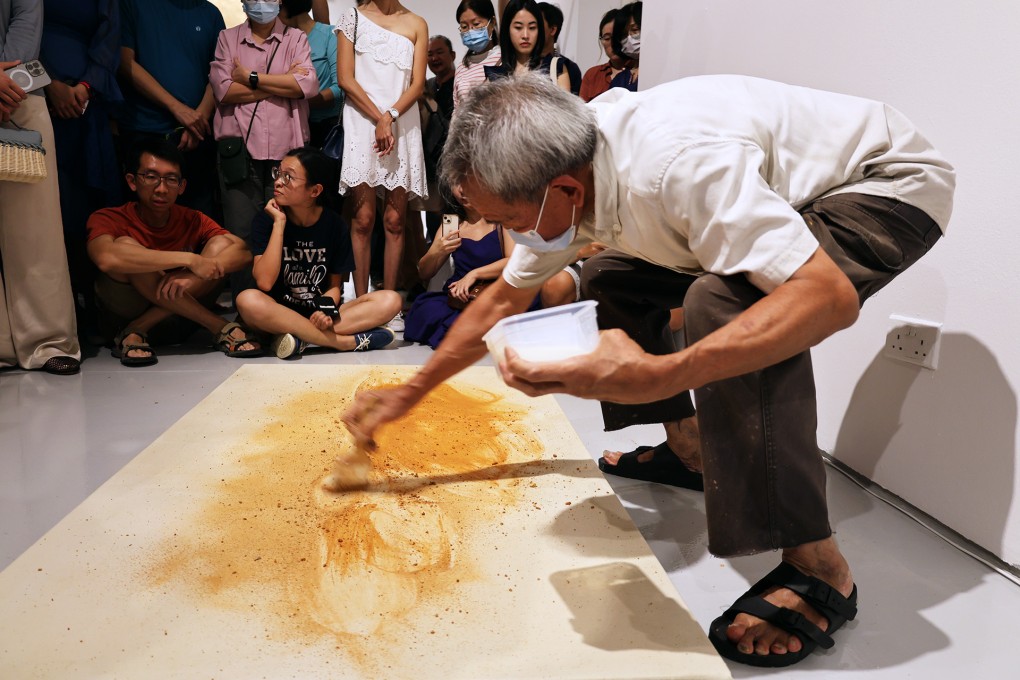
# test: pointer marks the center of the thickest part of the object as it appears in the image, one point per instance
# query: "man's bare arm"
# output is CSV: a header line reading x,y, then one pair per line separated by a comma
x,y
817,301
234,255
121,257
196,121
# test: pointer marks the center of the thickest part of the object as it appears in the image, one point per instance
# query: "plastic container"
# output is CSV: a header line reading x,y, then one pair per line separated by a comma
x,y
547,334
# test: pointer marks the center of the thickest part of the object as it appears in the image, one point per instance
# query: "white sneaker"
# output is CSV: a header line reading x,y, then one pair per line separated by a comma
x,y
396,324
285,346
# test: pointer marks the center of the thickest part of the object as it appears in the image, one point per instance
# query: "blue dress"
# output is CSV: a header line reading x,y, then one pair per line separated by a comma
x,y
430,317
81,42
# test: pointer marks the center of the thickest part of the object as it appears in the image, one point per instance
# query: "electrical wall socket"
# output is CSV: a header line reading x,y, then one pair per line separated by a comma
x,y
914,341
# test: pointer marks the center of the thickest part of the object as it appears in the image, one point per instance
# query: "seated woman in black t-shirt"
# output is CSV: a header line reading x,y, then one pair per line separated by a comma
x,y
301,251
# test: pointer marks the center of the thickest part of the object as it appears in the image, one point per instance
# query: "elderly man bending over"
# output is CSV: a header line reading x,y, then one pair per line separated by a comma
x,y
770,213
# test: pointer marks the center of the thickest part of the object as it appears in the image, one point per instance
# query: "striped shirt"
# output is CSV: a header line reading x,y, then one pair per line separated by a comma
x,y
467,77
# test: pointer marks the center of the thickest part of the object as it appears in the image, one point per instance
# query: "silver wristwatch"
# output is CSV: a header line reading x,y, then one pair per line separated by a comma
x,y
394,114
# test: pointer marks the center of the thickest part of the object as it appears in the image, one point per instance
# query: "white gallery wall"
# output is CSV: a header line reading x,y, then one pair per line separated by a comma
x,y
945,440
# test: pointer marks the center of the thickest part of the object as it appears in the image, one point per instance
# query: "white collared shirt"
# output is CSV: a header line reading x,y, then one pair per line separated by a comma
x,y
706,174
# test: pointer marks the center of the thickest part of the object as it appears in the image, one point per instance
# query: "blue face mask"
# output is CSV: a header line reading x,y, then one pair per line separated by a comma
x,y
476,39
533,240
262,12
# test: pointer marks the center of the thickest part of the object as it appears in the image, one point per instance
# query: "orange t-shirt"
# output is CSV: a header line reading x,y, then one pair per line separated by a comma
x,y
187,230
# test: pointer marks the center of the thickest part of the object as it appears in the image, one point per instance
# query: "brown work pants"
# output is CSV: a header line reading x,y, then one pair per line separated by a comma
x,y
764,476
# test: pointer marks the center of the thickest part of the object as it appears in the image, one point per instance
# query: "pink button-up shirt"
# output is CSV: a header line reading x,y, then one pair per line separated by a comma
x,y
281,124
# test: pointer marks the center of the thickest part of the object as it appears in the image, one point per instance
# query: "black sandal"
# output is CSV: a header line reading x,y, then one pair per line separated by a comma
x,y
825,599
664,468
120,350
230,345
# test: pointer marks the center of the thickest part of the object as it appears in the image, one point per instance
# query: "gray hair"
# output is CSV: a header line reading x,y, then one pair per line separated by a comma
x,y
515,135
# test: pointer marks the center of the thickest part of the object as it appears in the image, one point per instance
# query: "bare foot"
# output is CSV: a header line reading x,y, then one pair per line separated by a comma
x,y
820,559
682,437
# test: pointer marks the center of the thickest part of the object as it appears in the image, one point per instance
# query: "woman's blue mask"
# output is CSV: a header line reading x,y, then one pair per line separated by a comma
x,y
262,12
476,39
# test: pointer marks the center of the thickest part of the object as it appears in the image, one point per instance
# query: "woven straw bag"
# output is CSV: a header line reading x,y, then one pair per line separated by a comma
x,y
22,156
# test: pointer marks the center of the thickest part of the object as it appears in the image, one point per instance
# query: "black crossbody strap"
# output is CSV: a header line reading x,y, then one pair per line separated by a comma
x,y
255,110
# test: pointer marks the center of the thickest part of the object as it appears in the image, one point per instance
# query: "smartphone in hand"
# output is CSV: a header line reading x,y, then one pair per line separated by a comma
x,y
451,223
327,306
29,76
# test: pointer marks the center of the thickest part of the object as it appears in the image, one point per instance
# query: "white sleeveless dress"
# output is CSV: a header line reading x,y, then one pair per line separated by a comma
x,y
382,66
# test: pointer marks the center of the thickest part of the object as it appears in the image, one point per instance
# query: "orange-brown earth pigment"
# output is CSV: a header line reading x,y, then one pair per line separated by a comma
x,y
358,567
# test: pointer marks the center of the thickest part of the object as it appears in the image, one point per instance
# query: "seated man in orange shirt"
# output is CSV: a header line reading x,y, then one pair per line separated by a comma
x,y
159,259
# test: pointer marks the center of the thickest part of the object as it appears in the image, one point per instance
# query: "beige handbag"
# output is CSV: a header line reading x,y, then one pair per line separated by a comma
x,y
22,156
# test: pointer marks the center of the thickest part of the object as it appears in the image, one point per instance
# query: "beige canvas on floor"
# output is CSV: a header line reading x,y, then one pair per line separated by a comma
x,y
488,545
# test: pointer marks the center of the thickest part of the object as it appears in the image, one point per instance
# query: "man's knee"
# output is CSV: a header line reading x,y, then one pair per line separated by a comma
x,y
712,301
602,275
120,299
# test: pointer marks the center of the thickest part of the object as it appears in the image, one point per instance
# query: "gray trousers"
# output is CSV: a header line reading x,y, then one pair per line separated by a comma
x,y
764,476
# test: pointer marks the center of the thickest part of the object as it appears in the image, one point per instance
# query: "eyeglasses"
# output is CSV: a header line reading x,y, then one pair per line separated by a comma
x,y
284,177
151,179
474,25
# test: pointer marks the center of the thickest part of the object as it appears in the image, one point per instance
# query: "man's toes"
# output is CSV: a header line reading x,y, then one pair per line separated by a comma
x,y
613,457
745,643
761,639
765,640
740,635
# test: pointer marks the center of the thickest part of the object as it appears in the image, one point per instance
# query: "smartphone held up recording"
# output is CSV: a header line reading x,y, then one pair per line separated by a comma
x,y
451,223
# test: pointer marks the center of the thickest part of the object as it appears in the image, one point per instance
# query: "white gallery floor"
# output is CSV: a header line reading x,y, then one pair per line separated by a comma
x,y
926,610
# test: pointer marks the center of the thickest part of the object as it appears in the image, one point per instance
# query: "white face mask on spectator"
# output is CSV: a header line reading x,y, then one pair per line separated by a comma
x,y
631,46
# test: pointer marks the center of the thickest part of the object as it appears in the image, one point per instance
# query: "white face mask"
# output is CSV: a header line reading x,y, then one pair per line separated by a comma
x,y
532,239
631,45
